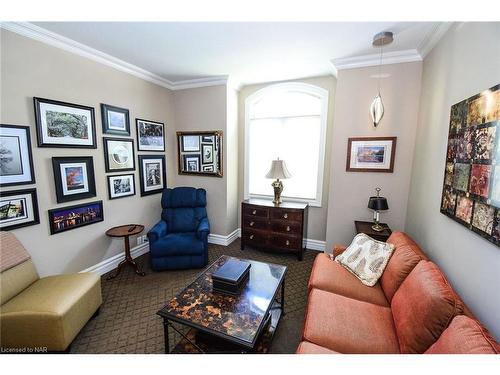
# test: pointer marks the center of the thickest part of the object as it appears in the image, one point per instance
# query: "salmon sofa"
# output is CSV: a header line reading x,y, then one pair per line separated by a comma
x,y
411,309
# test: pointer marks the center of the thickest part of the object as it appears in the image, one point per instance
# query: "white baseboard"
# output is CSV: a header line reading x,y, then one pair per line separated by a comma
x,y
218,239
317,245
111,263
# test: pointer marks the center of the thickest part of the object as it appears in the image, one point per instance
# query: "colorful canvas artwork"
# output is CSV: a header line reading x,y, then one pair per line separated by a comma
x,y
471,186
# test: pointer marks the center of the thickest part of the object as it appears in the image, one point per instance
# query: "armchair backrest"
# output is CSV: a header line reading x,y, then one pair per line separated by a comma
x,y
183,208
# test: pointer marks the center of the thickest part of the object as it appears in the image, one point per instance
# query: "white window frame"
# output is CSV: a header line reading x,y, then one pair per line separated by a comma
x,y
305,88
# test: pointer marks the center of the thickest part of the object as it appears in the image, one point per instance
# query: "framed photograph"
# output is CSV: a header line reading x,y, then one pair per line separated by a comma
x,y
115,120
150,135
371,154
74,178
16,159
152,173
200,153
121,186
18,208
119,154
72,217
61,124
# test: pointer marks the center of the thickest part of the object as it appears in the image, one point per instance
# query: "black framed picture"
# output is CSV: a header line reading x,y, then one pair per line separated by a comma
x,y
16,159
191,163
190,142
61,124
152,173
207,153
121,186
74,178
18,208
115,120
71,217
119,154
150,135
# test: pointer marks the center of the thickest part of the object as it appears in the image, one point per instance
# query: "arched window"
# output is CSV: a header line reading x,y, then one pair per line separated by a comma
x,y
286,121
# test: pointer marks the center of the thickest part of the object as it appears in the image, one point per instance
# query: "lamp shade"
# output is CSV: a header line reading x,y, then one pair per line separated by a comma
x,y
378,204
278,170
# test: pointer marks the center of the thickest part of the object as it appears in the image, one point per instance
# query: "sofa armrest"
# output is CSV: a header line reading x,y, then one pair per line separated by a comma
x,y
338,249
158,231
203,228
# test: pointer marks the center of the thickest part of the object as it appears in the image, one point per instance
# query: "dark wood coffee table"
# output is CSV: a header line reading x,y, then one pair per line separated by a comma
x,y
223,323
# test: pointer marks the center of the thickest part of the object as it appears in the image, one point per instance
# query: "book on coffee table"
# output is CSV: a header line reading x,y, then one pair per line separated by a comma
x,y
231,276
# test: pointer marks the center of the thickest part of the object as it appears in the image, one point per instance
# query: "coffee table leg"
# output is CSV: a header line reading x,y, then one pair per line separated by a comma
x,y
165,332
283,297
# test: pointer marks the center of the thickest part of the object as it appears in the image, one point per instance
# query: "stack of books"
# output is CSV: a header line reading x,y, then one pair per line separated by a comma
x,y
231,277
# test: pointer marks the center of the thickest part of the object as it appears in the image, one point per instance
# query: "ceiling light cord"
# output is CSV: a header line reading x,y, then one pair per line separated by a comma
x,y
380,70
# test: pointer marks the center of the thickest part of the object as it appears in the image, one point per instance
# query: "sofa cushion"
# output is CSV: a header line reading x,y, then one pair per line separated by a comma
x,y
16,279
306,347
177,244
328,275
464,336
366,258
346,325
405,257
422,307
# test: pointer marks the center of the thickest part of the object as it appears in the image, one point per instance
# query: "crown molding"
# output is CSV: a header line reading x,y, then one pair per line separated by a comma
x,y
433,37
56,40
395,57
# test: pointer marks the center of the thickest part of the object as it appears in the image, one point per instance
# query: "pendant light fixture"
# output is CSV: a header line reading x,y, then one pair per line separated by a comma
x,y
377,107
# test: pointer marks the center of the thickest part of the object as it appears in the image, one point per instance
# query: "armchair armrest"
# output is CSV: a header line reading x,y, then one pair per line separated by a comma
x,y
203,228
159,230
338,249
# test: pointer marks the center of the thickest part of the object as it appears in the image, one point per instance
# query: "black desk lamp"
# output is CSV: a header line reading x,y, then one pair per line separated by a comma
x,y
377,204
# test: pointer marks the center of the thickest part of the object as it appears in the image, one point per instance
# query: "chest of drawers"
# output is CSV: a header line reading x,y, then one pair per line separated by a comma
x,y
280,228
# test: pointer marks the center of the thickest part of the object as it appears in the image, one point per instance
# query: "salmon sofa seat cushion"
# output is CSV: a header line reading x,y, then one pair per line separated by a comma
x,y
306,347
423,307
330,276
346,325
464,336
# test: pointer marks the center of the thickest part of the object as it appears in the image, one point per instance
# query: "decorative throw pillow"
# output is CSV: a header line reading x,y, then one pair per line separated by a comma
x,y
366,258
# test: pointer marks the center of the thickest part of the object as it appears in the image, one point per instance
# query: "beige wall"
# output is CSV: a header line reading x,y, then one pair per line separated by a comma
x,y
350,191
465,62
30,68
316,228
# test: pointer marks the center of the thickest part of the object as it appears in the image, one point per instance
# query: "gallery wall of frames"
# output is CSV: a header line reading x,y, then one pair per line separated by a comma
x,y
68,125
471,187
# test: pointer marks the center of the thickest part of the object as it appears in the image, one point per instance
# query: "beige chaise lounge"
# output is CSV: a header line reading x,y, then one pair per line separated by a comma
x,y
41,313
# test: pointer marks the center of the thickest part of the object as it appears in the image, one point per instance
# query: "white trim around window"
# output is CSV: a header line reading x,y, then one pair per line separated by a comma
x,y
305,88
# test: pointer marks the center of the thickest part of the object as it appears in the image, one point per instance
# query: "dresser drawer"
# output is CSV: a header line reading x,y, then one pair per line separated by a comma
x,y
254,237
255,223
286,227
286,215
285,242
255,211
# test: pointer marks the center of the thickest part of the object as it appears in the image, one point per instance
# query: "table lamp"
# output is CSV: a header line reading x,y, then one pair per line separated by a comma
x,y
278,170
377,204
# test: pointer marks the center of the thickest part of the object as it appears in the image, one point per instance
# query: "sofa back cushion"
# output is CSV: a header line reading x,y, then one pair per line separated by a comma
x,y
183,208
405,257
464,336
423,307
16,279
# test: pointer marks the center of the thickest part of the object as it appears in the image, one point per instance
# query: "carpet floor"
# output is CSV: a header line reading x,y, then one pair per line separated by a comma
x,y
128,322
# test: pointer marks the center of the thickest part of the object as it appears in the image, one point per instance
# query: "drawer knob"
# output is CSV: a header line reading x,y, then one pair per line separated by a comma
x,y
252,223
254,212
251,236
287,242
285,216
288,228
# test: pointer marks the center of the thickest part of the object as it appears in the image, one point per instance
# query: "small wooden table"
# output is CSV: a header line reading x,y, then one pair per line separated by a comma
x,y
126,231
366,228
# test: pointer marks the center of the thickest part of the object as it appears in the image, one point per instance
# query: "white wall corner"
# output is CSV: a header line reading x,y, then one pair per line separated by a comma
x,y
434,36
395,57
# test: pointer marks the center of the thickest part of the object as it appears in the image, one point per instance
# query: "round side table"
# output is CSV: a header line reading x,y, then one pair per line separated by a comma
x,y
126,231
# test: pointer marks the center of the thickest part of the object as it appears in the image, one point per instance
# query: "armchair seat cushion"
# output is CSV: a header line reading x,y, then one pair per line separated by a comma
x,y
186,243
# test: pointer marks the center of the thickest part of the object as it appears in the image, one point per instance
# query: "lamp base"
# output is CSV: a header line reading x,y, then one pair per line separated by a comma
x,y
377,227
278,188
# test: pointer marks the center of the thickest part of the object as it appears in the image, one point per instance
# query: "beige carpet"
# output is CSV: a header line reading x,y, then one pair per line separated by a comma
x,y
128,322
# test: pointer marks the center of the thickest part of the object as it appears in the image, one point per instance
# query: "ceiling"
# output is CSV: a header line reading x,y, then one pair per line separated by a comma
x,y
247,52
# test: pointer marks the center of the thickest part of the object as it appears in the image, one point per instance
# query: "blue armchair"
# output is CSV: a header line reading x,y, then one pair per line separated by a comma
x,y
180,239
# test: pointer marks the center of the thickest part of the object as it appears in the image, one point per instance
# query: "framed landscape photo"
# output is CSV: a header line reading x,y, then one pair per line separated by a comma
x,y
115,120
16,159
152,173
61,124
200,153
71,217
371,154
121,186
150,135
74,178
119,154
18,208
